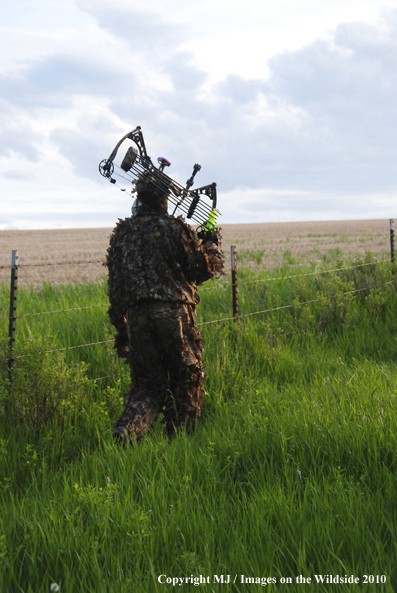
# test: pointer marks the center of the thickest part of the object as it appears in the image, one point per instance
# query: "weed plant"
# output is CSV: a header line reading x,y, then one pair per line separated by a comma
x,y
292,470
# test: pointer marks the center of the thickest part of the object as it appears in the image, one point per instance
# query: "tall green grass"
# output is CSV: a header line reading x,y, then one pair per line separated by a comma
x,y
292,470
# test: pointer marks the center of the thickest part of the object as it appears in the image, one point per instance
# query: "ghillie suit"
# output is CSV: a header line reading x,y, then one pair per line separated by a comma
x,y
155,262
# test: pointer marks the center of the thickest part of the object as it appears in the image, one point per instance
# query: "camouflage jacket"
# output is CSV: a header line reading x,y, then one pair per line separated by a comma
x,y
157,257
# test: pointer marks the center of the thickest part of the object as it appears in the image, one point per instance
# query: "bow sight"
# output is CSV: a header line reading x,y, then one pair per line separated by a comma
x,y
137,166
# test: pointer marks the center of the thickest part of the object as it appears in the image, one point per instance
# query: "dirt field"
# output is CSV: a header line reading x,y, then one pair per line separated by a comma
x,y
46,255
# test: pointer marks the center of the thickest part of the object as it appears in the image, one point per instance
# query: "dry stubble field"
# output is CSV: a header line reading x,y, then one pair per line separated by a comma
x,y
45,255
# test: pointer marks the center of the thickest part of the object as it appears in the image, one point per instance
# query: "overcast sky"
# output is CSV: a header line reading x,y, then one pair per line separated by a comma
x,y
290,106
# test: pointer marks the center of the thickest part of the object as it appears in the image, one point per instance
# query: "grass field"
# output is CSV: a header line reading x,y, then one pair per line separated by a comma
x,y
291,473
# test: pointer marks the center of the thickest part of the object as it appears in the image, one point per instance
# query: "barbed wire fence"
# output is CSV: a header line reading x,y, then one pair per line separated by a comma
x,y
233,286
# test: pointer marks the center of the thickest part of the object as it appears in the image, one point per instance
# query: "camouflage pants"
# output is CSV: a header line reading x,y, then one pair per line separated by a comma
x,y
166,368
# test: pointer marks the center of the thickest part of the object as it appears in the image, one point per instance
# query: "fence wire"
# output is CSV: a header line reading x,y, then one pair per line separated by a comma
x,y
212,288
221,320
354,266
62,349
61,310
102,378
55,311
57,263
290,306
381,261
265,248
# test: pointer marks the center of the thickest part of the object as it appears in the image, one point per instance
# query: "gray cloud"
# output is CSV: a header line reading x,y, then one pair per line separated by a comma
x,y
240,90
350,102
323,121
185,78
17,136
20,141
54,80
145,32
330,124
18,175
85,146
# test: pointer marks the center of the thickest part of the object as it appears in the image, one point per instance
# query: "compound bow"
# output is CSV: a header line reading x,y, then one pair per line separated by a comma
x,y
138,165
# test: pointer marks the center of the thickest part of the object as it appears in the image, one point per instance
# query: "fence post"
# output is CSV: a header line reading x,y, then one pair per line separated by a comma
x,y
392,241
234,281
13,309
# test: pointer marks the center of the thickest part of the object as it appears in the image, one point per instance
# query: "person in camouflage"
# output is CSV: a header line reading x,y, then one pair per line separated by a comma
x,y
155,262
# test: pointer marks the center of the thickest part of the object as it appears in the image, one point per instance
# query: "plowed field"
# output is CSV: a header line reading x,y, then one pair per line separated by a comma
x,y
76,254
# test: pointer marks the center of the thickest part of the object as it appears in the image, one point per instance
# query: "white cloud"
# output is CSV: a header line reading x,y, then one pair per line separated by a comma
x,y
312,124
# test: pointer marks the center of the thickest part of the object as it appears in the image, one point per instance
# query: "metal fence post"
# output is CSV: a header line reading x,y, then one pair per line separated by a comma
x,y
234,281
392,241
13,309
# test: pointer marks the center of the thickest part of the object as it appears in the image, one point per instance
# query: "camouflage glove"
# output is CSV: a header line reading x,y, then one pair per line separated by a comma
x,y
208,237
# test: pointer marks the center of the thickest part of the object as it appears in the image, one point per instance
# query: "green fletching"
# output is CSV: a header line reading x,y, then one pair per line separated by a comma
x,y
210,225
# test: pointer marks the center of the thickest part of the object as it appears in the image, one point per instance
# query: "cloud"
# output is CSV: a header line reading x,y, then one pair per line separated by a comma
x,y
20,141
86,144
240,90
186,79
17,135
17,175
57,220
349,100
321,122
54,80
143,29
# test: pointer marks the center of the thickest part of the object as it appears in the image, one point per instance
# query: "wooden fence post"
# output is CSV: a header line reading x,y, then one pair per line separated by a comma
x,y
13,309
392,241
234,281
